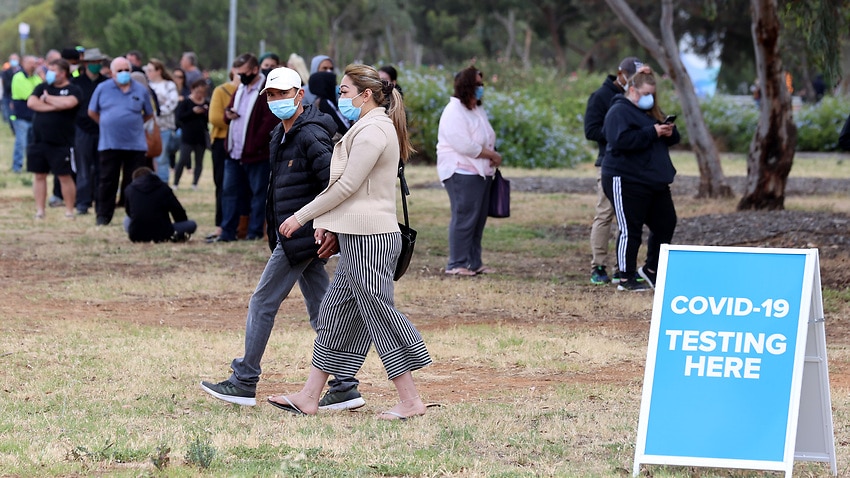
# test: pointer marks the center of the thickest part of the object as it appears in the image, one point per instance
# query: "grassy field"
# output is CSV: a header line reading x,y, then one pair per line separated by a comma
x,y
103,343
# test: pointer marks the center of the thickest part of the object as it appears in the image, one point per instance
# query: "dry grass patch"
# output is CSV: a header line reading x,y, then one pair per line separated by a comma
x,y
103,343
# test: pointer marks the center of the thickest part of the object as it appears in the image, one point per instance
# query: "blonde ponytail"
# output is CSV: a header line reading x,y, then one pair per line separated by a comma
x,y
366,77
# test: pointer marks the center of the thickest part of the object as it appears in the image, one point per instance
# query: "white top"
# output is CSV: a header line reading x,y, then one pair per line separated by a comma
x,y
461,136
166,95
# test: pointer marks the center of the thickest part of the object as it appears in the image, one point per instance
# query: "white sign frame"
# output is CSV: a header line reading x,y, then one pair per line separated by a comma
x,y
812,440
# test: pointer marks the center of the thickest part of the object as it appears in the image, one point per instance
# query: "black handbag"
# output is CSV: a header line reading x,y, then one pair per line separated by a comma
x,y
500,196
408,235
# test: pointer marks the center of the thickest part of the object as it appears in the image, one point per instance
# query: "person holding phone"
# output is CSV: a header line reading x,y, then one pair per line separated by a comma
x,y
193,117
636,176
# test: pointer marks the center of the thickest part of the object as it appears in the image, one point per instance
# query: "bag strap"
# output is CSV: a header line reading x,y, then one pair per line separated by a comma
x,y
405,191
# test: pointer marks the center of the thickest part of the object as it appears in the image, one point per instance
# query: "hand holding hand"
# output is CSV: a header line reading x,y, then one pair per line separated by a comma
x,y
328,244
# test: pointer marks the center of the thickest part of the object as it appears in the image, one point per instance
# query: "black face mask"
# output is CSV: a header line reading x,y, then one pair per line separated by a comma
x,y
267,71
247,78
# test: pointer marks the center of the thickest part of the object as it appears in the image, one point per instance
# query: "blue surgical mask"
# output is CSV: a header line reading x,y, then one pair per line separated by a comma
x,y
14,63
348,110
646,102
479,92
50,77
283,109
123,77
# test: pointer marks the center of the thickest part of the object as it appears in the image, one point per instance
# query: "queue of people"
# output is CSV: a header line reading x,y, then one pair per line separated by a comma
x,y
310,166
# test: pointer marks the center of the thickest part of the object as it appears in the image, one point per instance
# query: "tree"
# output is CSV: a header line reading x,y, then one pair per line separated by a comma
x,y
771,153
772,149
666,52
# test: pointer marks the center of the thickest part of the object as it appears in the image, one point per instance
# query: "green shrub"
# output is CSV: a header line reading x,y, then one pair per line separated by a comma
x,y
200,453
538,114
531,131
819,125
731,123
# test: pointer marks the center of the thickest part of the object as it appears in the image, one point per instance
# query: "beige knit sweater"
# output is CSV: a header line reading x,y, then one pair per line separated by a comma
x,y
361,194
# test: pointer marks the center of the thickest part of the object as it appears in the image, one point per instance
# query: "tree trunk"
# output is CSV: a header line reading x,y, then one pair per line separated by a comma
x,y
526,48
552,25
772,149
390,43
666,52
509,23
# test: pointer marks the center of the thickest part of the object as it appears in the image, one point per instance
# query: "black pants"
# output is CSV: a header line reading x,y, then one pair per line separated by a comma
x,y
114,163
185,161
219,155
636,204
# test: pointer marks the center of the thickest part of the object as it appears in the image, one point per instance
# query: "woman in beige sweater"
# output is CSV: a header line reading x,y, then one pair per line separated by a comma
x,y
359,206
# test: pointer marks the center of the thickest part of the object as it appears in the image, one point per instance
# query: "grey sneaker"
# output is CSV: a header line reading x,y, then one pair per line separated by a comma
x,y
347,400
229,393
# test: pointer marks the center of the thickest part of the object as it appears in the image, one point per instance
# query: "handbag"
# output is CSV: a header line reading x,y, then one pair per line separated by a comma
x,y
408,235
500,196
153,138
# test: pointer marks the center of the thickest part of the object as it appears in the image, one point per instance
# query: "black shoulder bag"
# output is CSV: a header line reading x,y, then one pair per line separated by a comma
x,y
408,235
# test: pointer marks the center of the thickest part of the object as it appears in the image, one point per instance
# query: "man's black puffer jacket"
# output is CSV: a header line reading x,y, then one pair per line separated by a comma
x,y
300,168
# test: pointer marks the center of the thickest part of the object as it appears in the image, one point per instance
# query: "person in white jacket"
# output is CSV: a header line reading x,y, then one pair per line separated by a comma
x,y
466,162
162,84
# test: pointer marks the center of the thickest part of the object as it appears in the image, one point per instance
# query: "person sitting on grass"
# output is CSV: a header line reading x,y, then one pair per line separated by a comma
x,y
148,202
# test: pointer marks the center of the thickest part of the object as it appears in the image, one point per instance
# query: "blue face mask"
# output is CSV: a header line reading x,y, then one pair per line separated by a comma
x,y
646,102
123,78
348,110
283,109
479,92
14,63
50,77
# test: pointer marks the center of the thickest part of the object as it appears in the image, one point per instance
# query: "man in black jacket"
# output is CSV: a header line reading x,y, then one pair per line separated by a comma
x,y
594,117
148,202
300,152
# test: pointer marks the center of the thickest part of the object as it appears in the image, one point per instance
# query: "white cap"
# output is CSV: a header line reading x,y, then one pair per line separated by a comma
x,y
282,79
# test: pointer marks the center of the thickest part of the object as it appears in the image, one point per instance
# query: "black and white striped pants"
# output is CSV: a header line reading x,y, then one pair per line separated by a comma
x,y
358,310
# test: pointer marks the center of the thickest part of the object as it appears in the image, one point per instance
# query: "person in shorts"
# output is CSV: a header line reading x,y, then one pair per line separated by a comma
x,y
55,103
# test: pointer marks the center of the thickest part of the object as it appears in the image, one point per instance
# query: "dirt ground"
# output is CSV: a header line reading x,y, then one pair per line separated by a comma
x,y
829,232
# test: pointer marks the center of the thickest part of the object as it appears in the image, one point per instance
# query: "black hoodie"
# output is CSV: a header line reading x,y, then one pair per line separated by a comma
x,y
300,169
635,152
148,202
323,85
594,115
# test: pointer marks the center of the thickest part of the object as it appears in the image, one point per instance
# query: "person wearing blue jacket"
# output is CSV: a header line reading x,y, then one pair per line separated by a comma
x,y
636,177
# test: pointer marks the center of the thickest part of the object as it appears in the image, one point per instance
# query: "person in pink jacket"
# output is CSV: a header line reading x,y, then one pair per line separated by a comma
x,y
466,162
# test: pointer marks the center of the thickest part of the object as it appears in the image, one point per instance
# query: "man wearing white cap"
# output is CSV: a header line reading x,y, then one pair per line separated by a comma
x,y
300,152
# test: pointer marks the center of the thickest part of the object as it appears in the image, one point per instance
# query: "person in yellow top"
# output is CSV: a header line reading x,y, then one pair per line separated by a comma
x,y
23,84
220,99
359,206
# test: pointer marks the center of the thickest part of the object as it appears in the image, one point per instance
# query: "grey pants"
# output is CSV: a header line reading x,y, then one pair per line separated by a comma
x,y
277,281
469,196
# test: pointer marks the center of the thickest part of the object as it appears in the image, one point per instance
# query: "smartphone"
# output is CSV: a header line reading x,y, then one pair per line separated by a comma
x,y
670,119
